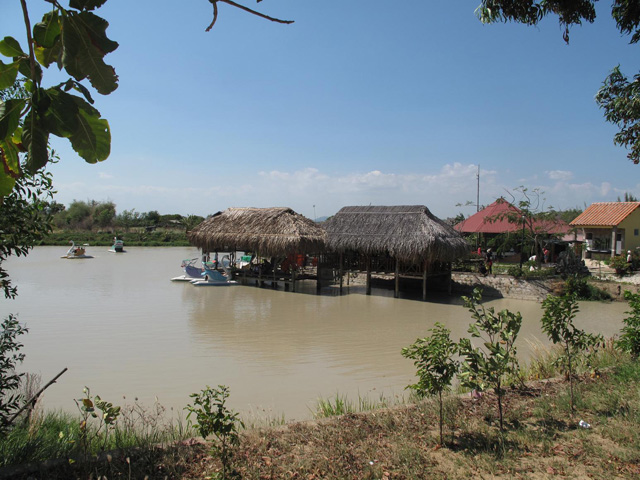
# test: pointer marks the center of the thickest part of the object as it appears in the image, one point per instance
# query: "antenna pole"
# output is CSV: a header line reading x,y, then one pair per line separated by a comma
x,y
478,190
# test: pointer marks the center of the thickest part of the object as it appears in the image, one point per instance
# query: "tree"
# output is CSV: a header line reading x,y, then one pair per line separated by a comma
x,y
557,323
628,197
619,97
489,366
436,367
74,40
532,215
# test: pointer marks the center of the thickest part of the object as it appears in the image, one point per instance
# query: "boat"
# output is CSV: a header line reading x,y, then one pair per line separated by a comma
x,y
191,272
117,247
214,278
77,251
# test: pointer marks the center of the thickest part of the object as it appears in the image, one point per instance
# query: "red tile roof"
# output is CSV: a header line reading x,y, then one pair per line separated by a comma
x,y
487,220
493,219
606,214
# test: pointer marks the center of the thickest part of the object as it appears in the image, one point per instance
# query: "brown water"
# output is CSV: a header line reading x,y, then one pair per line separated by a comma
x,y
123,329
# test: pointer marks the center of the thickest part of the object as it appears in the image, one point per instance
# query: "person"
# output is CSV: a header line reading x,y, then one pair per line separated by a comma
x,y
628,256
546,255
489,261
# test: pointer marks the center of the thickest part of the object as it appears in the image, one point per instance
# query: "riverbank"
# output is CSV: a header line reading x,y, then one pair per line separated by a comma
x,y
543,439
161,237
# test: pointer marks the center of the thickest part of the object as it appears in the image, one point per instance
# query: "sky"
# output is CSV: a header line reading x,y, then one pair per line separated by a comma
x,y
356,103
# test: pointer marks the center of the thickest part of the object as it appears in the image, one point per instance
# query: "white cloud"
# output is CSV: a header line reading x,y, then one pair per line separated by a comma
x,y
561,175
105,176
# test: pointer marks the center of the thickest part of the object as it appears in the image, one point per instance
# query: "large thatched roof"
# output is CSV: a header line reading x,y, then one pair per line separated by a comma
x,y
267,231
409,233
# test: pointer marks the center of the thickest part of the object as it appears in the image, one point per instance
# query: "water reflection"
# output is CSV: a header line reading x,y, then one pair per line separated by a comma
x,y
123,329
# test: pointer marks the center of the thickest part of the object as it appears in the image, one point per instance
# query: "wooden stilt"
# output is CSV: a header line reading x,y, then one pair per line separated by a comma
x,y
425,273
340,273
293,280
368,288
449,278
396,293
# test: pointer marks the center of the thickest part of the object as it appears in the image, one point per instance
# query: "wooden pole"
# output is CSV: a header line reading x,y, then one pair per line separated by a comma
x,y
368,289
425,273
396,293
340,273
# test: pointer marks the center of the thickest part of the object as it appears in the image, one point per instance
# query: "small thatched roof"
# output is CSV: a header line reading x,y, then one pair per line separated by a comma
x,y
267,231
409,233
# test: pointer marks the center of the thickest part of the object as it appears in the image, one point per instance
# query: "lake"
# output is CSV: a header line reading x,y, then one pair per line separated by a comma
x,y
124,330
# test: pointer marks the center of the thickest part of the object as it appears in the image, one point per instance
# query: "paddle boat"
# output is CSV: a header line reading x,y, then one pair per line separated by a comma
x,y
191,272
77,251
117,247
214,278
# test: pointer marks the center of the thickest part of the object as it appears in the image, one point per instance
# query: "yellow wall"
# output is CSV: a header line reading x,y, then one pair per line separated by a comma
x,y
631,223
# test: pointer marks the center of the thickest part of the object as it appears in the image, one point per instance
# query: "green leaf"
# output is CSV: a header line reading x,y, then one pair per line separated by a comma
x,y
46,35
10,117
8,74
24,67
9,47
62,115
10,169
47,32
86,4
92,137
84,46
35,139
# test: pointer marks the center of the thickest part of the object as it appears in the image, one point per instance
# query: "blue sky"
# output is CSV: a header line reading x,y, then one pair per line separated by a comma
x,y
356,103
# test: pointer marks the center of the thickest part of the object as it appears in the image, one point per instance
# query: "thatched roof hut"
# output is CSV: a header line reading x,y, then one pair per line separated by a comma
x,y
408,233
276,231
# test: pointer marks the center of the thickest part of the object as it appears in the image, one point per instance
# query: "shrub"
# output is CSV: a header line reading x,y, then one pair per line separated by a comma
x,y
436,368
630,339
488,367
557,323
10,347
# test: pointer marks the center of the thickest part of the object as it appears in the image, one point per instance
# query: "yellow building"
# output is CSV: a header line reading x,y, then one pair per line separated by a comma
x,y
610,228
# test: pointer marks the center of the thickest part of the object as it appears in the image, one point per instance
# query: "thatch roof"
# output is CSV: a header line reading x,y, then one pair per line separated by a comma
x,y
267,231
409,233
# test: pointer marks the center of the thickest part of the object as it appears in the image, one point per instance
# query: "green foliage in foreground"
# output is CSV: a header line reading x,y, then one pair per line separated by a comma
x,y
630,338
433,358
10,357
488,367
557,323
214,418
55,434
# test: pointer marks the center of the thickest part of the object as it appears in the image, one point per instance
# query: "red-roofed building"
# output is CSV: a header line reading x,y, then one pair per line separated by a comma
x,y
494,220
610,224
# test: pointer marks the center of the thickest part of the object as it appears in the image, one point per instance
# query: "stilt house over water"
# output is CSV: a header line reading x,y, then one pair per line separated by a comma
x,y
275,233
408,241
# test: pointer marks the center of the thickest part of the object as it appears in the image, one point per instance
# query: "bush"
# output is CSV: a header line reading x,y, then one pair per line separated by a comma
x,y
620,265
10,399
630,339
583,290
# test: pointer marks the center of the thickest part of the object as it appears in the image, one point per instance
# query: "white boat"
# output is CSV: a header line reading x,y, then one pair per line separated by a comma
x,y
191,272
213,278
117,247
77,251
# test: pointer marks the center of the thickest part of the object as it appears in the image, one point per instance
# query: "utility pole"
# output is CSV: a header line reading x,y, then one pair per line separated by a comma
x,y
478,190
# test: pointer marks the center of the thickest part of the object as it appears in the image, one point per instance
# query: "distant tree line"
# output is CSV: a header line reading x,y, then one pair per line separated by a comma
x,y
92,215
